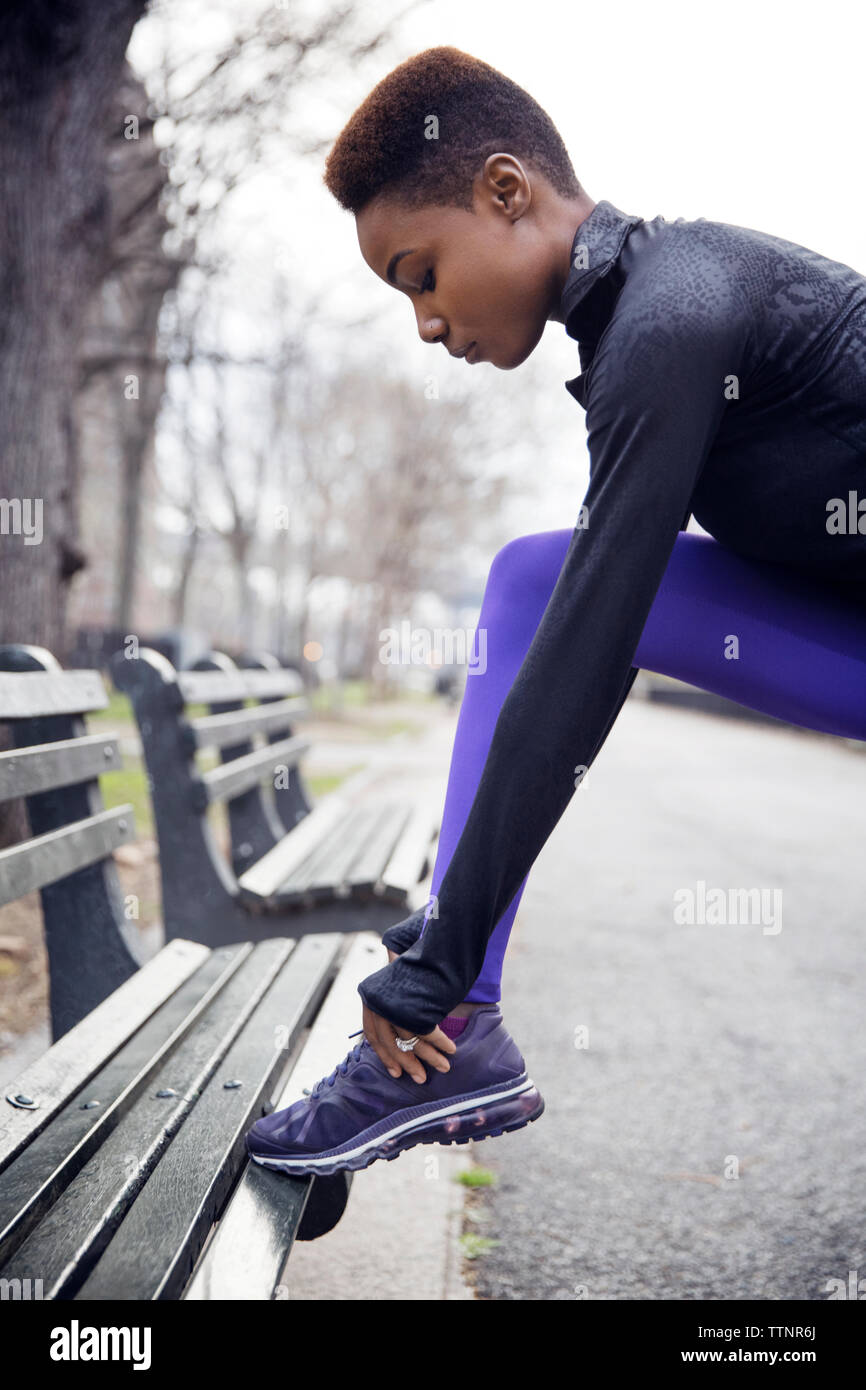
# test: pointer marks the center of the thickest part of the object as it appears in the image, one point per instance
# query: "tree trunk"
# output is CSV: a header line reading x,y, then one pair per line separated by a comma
x,y
136,428
187,565
59,68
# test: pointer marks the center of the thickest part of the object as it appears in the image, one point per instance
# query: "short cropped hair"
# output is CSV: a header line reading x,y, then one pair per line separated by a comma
x,y
392,143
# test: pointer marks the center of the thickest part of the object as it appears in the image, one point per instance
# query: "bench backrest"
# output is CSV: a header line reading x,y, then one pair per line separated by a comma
x,y
252,711
54,764
260,778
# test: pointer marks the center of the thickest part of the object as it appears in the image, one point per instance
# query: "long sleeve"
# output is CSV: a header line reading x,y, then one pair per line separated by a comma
x,y
404,934
655,396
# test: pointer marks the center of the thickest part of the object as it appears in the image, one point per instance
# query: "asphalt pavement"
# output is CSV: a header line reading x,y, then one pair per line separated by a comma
x,y
703,1136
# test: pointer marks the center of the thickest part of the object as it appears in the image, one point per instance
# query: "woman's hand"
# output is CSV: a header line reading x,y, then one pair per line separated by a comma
x,y
430,1047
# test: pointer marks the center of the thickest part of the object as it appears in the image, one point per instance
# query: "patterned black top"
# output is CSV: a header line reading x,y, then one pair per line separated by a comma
x,y
723,374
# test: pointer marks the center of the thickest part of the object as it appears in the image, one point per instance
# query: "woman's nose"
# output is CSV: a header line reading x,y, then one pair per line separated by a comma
x,y
431,329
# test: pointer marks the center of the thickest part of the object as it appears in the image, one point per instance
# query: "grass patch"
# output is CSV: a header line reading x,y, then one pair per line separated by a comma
x,y
391,727
347,695
325,699
477,1177
473,1246
329,781
336,698
119,711
129,784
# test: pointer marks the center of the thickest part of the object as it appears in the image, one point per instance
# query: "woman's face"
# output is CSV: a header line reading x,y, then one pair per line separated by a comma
x,y
483,280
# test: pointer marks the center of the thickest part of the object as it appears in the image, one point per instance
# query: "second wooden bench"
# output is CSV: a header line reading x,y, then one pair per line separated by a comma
x,y
347,863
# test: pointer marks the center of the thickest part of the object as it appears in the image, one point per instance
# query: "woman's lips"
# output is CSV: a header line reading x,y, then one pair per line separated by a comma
x,y
472,352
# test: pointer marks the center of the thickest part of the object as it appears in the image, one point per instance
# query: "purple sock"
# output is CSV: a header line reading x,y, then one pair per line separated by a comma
x,y
452,1026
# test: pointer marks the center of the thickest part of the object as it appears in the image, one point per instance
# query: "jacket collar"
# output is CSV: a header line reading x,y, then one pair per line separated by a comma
x,y
596,246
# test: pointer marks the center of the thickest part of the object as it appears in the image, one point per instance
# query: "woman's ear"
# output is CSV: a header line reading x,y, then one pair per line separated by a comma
x,y
506,184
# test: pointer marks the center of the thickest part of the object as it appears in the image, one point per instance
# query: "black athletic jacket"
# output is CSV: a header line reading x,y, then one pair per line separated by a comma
x,y
723,374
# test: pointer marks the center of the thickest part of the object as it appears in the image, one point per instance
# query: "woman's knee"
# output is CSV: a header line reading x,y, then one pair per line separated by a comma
x,y
527,560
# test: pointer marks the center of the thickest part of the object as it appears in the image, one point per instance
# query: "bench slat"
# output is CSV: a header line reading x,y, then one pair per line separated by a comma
x,y
74,1232
327,866
158,1243
55,1076
248,1253
32,694
230,779
32,1182
221,687
24,771
404,868
222,730
265,877
367,868
47,858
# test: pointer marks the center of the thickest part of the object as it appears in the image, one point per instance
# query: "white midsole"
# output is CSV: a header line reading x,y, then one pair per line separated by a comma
x,y
419,1121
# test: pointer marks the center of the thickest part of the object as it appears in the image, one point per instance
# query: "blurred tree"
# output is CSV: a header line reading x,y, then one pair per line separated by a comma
x,y
60,65
122,374
388,486
234,98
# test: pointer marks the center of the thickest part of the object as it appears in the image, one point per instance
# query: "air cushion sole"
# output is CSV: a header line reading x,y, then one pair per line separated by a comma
x,y
480,1121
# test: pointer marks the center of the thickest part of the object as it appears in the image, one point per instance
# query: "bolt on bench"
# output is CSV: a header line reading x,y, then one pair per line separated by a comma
x,y
123,1168
348,863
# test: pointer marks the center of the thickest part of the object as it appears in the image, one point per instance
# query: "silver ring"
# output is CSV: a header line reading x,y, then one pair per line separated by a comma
x,y
405,1044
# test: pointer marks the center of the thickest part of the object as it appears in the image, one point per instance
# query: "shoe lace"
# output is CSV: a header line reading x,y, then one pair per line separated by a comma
x,y
340,1069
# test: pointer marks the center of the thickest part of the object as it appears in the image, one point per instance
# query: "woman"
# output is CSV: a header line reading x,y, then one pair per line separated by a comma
x,y
723,376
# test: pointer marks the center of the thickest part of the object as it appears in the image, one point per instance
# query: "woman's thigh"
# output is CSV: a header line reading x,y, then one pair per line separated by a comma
x,y
771,639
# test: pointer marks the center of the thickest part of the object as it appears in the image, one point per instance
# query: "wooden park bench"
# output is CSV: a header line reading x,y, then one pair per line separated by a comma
x,y
123,1167
347,863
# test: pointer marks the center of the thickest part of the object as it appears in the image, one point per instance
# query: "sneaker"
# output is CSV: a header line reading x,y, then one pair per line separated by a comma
x,y
360,1112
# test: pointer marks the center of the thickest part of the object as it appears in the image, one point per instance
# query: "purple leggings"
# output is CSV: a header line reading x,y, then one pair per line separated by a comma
x,y
802,658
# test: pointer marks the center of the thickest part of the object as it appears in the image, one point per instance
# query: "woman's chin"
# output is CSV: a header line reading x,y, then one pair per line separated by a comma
x,y
507,358
507,361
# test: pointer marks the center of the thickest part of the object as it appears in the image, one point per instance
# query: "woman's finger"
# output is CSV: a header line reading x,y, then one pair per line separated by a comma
x,y
432,1057
441,1040
430,1047
380,1034
410,1061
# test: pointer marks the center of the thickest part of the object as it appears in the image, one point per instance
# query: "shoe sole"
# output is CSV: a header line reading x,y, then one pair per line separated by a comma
x,y
480,1119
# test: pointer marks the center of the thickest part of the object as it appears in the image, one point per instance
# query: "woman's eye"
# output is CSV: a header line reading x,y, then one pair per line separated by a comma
x,y
428,282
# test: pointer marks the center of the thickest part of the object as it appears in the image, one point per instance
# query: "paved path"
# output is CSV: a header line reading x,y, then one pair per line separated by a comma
x,y
712,1049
